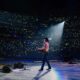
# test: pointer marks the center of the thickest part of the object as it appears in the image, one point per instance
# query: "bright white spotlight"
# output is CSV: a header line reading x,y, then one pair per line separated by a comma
x,y
50,38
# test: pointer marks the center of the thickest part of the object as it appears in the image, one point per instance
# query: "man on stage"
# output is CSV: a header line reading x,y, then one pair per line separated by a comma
x,y
45,50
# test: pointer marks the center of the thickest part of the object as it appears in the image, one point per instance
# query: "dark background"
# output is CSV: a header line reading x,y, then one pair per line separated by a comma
x,y
42,7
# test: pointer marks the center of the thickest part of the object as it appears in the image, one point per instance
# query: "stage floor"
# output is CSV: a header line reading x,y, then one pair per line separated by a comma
x,y
59,71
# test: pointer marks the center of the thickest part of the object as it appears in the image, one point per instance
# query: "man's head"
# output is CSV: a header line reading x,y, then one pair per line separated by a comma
x,y
46,39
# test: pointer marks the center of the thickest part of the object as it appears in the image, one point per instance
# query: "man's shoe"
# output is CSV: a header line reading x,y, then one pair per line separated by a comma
x,y
41,70
49,69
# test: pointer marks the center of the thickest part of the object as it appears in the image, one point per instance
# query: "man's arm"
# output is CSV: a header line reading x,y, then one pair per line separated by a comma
x,y
41,48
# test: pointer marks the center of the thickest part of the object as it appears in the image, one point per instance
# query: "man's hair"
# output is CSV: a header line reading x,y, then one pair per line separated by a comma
x,y
46,39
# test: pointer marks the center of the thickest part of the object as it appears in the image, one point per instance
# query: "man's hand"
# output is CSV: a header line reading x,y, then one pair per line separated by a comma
x,y
38,48
41,49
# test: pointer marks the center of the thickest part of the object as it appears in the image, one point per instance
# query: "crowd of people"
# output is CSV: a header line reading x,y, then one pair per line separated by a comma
x,y
20,34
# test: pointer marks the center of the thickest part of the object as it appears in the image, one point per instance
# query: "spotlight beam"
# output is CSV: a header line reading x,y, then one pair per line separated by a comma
x,y
55,33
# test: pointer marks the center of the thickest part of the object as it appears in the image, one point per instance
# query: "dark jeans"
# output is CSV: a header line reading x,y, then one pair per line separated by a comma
x,y
45,60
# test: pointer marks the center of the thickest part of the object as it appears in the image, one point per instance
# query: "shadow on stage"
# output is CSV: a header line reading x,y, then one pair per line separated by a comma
x,y
40,74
